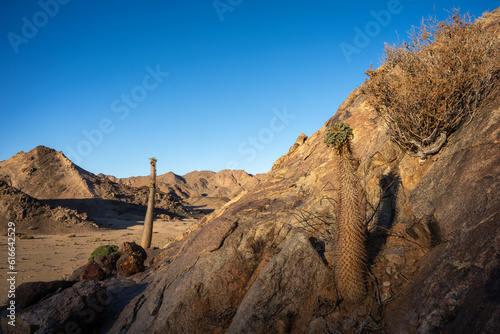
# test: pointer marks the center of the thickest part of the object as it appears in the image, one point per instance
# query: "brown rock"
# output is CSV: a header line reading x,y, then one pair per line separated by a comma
x,y
297,273
76,309
455,291
301,139
31,292
33,216
92,272
132,248
107,263
318,326
394,258
76,275
129,264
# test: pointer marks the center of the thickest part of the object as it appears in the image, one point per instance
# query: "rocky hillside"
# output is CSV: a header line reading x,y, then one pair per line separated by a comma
x,y
251,267
204,190
47,175
263,262
32,215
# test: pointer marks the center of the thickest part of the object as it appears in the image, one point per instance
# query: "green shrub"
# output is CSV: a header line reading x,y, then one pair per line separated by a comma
x,y
427,87
338,135
103,251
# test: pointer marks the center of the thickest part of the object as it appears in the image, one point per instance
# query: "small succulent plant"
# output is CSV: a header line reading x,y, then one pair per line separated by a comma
x,y
338,135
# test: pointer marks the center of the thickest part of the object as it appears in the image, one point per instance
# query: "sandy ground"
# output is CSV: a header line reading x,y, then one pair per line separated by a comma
x,y
53,257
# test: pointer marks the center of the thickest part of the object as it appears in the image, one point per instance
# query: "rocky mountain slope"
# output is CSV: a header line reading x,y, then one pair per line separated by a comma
x,y
47,175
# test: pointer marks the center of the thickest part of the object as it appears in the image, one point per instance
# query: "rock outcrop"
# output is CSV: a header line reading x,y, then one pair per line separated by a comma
x,y
431,243
76,309
285,291
33,216
31,292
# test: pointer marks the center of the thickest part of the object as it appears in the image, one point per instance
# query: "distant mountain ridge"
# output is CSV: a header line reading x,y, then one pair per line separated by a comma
x,y
192,187
49,176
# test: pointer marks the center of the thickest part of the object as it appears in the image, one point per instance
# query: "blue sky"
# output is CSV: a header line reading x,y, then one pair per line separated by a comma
x,y
200,85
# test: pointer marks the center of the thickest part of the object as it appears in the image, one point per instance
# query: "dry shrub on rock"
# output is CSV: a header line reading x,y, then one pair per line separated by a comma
x,y
429,86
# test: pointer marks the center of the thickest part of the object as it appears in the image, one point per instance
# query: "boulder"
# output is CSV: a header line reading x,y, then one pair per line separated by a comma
x,y
76,275
132,248
31,292
285,292
92,272
97,269
129,264
76,309
107,263
196,296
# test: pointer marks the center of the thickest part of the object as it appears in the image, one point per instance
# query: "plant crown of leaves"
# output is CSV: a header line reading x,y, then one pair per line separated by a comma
x,y
339,134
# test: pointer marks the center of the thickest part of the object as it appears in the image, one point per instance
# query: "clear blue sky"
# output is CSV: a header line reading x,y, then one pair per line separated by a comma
x,y
245,78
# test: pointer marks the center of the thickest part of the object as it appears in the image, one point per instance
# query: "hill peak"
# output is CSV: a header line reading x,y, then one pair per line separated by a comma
x,y
45,173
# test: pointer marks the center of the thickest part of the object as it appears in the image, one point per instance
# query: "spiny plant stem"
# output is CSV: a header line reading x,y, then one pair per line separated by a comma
x,y
350,252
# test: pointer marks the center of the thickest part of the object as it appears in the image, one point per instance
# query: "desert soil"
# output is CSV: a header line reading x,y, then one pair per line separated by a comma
x,y
55,256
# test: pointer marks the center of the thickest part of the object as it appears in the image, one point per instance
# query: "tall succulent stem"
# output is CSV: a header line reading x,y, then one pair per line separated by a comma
x,y
350,251
147,233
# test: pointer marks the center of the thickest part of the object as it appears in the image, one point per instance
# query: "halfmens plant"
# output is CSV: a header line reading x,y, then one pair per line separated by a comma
x,y
147,233
349,248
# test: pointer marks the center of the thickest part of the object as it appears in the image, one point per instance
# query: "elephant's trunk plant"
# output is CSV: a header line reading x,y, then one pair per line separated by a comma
x,y
350,251
147,232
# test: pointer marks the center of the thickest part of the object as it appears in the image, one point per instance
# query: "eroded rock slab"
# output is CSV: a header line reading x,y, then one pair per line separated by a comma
x,y
75,309
286,288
